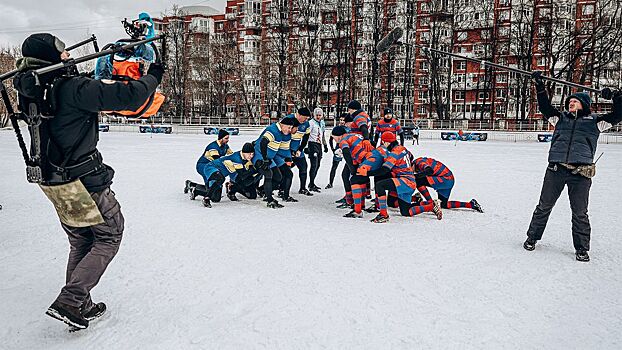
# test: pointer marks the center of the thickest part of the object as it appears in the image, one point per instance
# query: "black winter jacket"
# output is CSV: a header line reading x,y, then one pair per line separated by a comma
x,y
78,101
575,137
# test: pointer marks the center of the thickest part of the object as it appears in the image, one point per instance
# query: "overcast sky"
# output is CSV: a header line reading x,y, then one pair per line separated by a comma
x,y
74,20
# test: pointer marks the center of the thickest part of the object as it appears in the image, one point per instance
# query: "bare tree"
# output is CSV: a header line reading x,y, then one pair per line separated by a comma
x,y
276,48
8,56
175,84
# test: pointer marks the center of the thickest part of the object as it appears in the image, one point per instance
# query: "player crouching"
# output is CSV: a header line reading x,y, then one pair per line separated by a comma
x,y
403,181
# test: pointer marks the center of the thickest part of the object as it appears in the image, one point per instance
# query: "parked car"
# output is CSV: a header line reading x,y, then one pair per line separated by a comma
x,y
104,127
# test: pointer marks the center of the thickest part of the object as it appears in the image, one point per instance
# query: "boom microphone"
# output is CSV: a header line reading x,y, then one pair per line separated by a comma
x,y
390,39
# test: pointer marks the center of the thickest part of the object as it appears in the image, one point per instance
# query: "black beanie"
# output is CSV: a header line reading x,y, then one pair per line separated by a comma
x,y
43,46
304,111
388,110
222,133
288,121
338,131
248,148
354,104
585,100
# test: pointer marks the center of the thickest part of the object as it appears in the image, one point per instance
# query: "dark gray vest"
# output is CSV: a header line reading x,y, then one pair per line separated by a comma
x,y
574,140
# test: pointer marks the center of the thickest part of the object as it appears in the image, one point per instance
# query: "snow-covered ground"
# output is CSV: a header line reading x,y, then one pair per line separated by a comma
x,y
242,276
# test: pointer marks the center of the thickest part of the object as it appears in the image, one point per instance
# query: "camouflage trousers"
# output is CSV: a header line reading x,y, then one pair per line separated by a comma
x,y
92,249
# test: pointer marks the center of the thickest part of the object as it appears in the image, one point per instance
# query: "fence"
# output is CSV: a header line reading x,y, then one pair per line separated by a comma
x,y
429,124
430,134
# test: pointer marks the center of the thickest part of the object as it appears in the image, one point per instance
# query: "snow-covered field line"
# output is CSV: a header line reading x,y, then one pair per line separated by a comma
x,y
242,276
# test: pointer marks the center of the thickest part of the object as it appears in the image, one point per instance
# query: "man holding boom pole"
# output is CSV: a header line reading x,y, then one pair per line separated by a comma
x,y
571,161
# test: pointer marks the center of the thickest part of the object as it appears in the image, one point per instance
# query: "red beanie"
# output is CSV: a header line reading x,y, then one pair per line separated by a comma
x,y
388,136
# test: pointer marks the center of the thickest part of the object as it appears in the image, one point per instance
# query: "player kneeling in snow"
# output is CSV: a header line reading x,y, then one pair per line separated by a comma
x,y
214,174
432,173
403,182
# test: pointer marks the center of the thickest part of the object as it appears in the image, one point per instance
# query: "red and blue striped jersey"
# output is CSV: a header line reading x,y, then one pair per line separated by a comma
x,y
393,125
440,173
359,147
399,160
375,159
360,118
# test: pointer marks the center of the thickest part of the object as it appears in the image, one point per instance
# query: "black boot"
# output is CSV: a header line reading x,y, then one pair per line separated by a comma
x,y
95,312
530,244
305,192
187,187
329,186
69,314
582,256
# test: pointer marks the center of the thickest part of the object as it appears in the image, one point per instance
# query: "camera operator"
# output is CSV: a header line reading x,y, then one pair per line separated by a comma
x,y
73,174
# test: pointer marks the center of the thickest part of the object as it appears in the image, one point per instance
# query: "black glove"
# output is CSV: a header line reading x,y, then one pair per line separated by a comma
x,y
537,79
428,171
610,94
157,71
262,164
325,149
306,151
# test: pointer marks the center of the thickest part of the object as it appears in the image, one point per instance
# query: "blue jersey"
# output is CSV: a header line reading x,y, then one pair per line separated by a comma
x,y
284,151
303,129
228,166
214,151
275,136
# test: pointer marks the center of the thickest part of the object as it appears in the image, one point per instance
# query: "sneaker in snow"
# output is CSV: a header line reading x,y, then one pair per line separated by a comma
x,y
290,199
582,256
342,200
530,244
69,314
192,195
372,209
353,214
476,206
206,202
232,197
315,189
187,187
380,219
345,205
329,186
274,204
305,192
95,312
437,209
